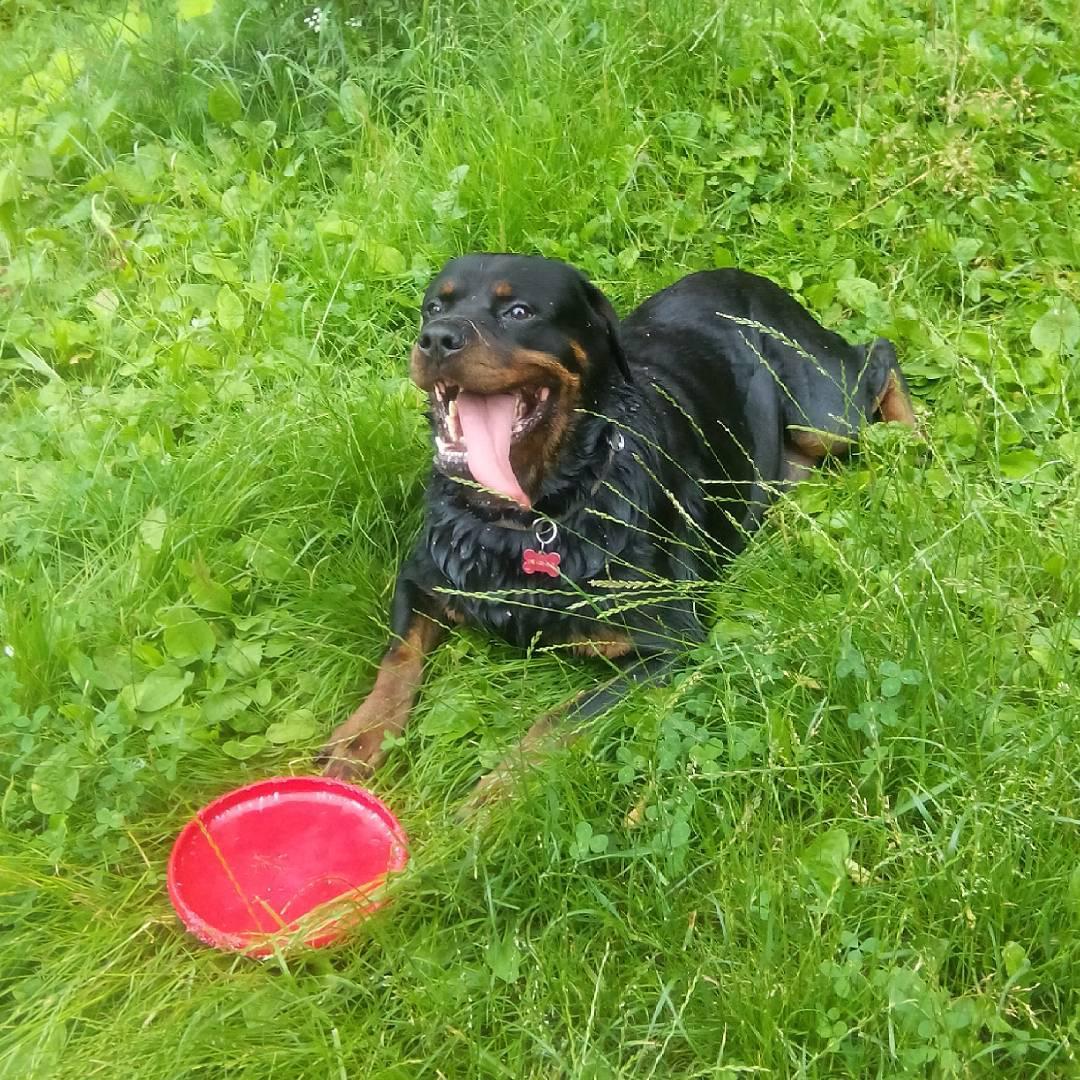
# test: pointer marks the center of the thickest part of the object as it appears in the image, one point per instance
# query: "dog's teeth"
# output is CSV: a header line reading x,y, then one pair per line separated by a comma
x,y
452,421
543,394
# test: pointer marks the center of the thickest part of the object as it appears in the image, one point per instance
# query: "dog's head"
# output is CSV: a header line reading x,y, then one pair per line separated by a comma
x,y
510,348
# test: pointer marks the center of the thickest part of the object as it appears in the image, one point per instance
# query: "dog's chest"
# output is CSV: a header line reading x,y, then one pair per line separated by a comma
x,y
503,579
517,584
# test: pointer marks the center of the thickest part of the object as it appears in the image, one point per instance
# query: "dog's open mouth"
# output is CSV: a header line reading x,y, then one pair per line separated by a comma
x,y
474,433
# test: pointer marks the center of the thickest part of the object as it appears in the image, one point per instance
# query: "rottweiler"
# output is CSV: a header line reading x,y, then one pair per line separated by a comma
x,y
583,464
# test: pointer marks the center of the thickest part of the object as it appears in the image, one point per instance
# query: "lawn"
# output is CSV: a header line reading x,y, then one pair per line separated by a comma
x,y
845,841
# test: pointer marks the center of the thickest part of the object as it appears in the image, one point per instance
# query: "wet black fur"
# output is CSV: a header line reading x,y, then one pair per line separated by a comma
x,y
700,398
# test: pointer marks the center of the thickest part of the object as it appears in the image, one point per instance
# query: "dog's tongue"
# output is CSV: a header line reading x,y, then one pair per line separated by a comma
x,y
487,421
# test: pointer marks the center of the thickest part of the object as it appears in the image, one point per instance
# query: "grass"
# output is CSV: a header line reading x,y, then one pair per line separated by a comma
x,y
843,842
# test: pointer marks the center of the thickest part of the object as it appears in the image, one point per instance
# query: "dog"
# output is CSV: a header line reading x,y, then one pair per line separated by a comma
x,y
582,464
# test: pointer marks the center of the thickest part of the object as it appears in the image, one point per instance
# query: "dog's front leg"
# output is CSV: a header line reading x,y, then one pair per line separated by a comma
x,y
355,749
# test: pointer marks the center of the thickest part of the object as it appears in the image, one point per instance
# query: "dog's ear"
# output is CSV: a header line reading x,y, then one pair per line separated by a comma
x,y
603,310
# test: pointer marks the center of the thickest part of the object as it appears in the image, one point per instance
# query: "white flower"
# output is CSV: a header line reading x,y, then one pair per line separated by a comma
x,y
9,651
316,20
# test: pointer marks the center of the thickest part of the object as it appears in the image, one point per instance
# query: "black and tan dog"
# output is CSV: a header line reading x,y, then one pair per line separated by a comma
x,y
577,456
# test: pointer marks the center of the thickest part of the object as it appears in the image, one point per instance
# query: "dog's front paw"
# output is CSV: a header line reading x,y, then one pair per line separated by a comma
x,y
354,751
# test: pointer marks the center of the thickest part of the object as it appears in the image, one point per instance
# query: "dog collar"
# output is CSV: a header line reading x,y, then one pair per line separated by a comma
x,y
546,531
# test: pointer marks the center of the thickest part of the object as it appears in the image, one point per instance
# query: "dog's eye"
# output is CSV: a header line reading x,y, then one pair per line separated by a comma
x,y
432,307
519,311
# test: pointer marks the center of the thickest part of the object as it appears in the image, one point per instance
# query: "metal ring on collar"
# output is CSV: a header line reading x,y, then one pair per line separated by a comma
x,y
546,532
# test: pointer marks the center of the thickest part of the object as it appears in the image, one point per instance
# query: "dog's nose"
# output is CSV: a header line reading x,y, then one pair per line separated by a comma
x,y
443,337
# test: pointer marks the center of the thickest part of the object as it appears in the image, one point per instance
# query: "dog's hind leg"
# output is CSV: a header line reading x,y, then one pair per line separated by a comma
x,y
825,417
894,402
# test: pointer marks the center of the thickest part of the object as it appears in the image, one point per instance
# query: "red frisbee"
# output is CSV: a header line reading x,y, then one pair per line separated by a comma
x,y
296,859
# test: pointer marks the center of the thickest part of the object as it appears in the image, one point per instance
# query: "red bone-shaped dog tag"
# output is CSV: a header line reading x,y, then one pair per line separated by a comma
x,y
541,562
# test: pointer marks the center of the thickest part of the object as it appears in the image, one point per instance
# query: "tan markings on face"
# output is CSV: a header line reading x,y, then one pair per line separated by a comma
x,y
579,352
446,289
546,363
502,289
417,369
536,452
551,437
481,368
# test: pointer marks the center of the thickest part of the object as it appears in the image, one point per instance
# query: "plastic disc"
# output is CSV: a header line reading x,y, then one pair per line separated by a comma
x,y
295,859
